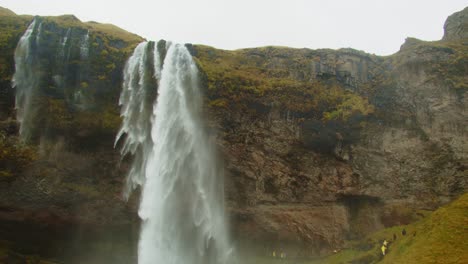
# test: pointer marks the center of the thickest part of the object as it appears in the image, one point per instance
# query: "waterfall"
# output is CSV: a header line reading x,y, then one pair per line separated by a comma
x,y
84,47
63,53
46,67
39,33
25,80
137,107
182,202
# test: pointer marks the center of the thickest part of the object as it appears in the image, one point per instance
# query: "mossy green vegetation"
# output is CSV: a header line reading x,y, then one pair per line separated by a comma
x,y
81,127
441,237
115,33
12,27
264,76
111,34
298,84
6,12
14,156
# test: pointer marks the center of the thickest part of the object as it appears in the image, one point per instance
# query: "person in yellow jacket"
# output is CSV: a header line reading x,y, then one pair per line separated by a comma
x,y
384,249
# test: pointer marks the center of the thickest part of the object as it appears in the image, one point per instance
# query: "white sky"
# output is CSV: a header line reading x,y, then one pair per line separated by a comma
x,y
375,26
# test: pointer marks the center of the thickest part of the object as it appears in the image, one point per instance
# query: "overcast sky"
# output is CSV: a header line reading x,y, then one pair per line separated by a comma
x,y
375,26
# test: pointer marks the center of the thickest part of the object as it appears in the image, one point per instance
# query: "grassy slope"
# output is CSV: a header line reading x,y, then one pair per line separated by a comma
x,y
12,27
442,237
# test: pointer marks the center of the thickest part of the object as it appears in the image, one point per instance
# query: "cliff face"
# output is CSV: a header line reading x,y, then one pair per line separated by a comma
x,y
319,146
301,172
67,178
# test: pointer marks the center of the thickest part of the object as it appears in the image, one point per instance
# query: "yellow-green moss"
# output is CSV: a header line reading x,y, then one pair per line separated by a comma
x,y
14,156
13,27
114,32
440,238
242,76
108,32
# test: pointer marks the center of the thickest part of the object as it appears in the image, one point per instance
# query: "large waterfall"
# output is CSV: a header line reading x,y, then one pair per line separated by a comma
x,y
182,198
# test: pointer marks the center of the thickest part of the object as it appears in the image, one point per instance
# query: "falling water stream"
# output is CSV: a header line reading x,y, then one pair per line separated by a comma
x,y
84,46
49,63
181,207
25,79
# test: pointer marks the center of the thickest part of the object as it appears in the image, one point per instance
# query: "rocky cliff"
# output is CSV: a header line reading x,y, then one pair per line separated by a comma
x,y
319,146
324,145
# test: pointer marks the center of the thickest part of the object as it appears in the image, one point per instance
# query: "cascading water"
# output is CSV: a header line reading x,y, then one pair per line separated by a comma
x,y
136,100
25,79
84,47
64,54
182,199
49,63
39,33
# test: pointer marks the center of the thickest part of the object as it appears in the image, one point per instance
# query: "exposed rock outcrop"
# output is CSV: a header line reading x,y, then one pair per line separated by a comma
x,y
456,26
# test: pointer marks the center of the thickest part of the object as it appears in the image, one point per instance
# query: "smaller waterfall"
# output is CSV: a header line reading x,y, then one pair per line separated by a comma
x,y
39,34
64,53
25,80
84,47
54,68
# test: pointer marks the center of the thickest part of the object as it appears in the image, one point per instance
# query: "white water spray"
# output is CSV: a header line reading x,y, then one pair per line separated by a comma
x,y
63,53
25,80
182,204
137,108
39,33
84,47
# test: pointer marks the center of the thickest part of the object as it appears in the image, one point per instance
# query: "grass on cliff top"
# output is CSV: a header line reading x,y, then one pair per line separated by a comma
x,y
442,237
115,32
6,12
263,75
109,30
70,21
12,27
